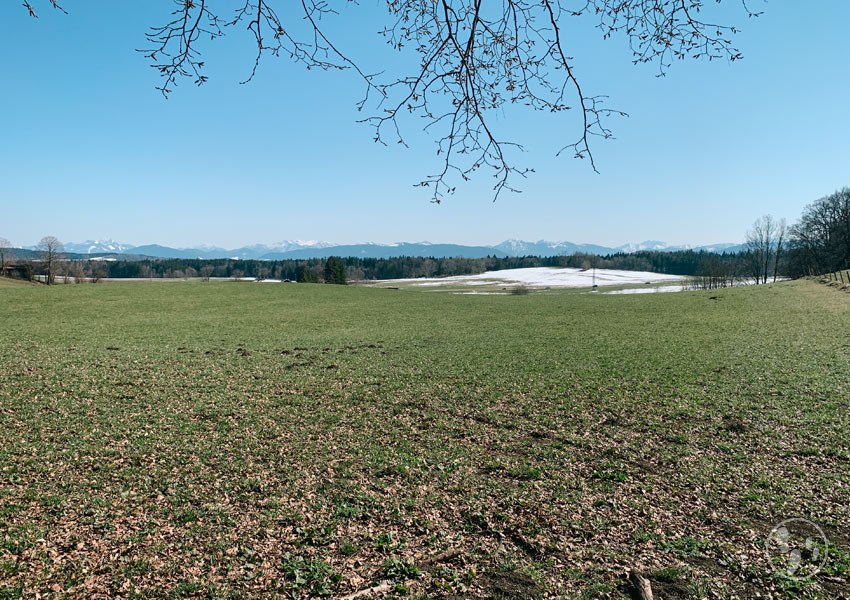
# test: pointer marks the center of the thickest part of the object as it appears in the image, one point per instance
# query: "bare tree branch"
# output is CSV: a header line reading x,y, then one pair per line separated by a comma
x,y
474,60
31,9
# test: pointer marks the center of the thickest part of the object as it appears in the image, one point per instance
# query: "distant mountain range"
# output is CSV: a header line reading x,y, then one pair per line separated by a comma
x,y
299,249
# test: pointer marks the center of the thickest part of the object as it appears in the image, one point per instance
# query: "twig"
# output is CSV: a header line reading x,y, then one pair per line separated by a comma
x,y
377,589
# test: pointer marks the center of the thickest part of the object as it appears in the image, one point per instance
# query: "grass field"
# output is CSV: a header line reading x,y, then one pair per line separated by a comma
x,y
237,440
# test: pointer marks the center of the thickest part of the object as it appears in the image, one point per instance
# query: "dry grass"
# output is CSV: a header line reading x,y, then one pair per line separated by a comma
x,y
229,440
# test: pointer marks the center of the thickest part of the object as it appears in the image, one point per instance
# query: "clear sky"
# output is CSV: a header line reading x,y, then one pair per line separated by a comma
x,y
89,149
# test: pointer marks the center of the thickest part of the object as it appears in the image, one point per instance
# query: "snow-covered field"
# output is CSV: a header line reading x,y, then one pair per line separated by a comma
x,y
649,290
553,277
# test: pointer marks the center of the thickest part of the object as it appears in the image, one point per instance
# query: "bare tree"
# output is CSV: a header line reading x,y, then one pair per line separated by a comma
x,y
98,271
764,241
206,271
714,273
781,234
820,241
759,245
75,271
52,253
468,61
7,254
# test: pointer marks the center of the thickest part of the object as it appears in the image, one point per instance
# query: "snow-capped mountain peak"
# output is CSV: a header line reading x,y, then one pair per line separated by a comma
x,y
97,247
315,248
307,244
641,246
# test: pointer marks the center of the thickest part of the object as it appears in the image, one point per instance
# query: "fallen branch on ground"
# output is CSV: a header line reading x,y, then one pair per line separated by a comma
x,y
644,589
377,589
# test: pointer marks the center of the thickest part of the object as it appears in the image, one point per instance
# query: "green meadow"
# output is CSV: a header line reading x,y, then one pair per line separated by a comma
x,y
247,440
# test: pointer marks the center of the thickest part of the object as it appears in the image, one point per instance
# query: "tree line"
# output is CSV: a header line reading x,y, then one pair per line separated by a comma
x,y
47,266
708,268
820,240
818,243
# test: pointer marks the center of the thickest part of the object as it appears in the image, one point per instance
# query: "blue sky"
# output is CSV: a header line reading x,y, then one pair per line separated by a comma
x,y
89,149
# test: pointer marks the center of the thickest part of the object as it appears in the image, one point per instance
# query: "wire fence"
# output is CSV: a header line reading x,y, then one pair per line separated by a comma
x,y
837,277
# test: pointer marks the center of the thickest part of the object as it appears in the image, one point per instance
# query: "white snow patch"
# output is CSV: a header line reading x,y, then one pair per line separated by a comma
x,y
682,288
548,277
650,290
450,280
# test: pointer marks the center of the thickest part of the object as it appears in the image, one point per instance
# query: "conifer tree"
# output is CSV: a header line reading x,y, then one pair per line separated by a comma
x,y
335,271
307,275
